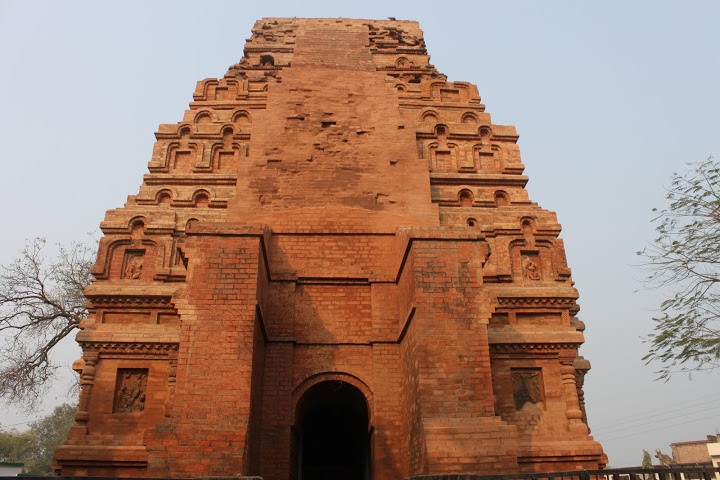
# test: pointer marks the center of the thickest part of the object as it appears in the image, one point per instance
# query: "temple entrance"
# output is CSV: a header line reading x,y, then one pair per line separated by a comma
x,y
332,433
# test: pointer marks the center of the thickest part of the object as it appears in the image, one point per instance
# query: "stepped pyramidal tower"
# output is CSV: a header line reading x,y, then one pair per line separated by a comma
x,y
331,270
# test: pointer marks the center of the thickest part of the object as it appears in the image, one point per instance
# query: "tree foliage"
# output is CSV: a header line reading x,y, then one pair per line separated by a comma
x,y
647,460
14,446
684,260
41,302
35,446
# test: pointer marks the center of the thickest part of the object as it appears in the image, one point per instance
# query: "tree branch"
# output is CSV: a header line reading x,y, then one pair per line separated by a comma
x,y
41,303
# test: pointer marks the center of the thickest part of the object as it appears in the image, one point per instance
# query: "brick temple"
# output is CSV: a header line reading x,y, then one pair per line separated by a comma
x,y
331,270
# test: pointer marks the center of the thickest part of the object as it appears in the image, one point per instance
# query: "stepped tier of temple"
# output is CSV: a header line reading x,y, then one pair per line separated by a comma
x,y
332,269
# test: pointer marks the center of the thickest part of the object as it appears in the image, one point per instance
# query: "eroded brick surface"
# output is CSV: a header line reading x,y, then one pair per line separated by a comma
x,y
331,213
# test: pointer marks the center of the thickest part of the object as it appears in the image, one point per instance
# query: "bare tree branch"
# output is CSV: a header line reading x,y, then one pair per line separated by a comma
x,y
41,303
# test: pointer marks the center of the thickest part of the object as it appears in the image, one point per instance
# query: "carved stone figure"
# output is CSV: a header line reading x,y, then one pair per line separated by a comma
x,y
527,387
531,268
133,267
130,390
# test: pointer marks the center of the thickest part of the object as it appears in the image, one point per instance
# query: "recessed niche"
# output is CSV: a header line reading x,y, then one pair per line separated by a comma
x,y
181,161
203,117
469,117
241,117
137,227
501,198
527,386
130,390
528,226
133,264
430,117
466,197
201,199
164,197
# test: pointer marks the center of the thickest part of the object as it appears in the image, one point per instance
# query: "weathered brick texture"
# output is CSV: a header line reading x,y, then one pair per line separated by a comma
x,y
333,251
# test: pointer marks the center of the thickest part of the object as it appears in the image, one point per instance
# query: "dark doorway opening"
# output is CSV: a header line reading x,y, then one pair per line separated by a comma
x,y
332,422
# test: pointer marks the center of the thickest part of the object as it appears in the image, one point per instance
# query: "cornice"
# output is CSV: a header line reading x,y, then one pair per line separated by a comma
x,y
115,301
129,348
544,347
538,302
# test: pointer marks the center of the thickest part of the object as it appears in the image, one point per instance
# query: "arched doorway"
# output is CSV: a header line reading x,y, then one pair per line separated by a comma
x,y
332,433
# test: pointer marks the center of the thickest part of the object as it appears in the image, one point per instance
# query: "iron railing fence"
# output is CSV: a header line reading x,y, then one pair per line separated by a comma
x,y
637,473
657,473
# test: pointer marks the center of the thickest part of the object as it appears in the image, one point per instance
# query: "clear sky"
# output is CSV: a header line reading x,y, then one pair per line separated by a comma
x,y
609,98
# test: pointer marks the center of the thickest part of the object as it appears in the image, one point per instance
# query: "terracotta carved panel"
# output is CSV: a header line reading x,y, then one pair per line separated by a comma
x,y
527,386
133,264
130,390
531,266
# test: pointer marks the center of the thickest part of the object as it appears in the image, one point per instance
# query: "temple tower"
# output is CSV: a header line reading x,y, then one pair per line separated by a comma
x,y
331,269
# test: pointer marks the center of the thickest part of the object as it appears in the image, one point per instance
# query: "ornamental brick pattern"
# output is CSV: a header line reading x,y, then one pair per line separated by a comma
x,y
332,269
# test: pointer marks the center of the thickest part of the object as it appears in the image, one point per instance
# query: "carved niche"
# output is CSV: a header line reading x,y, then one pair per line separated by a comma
x,y
133,264
182,155
443,156
527,386
225,155
128,260
490,158
467,162
449,92
537,262
130,390
530,264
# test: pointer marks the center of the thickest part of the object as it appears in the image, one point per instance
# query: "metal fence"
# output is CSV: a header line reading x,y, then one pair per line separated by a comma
x,y
658,473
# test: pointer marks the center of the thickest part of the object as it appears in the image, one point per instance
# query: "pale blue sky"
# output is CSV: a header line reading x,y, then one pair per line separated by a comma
x,y
609,98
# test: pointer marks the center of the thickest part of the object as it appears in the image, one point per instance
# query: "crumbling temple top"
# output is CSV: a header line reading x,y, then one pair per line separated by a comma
x,y
331,269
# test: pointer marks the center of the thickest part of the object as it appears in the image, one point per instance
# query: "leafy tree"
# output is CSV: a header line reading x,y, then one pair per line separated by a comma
x,y
647,460
685,259
35,447
46,435
41,302
14,446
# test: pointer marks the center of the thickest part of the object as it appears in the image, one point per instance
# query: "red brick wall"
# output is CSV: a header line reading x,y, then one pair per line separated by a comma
x,y
208,427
